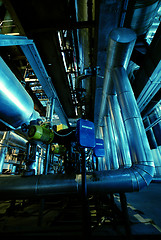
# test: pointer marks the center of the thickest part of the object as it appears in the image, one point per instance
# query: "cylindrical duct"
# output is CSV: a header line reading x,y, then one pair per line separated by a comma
x,y
16,140
16,104
141,14
108,154
137,139
102,164
114,159
120,45
121,138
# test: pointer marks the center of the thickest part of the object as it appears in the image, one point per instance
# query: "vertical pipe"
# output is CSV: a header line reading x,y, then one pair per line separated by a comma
x,y
50,111
40,165
101,160
46,163
137,139
114,159
120,46
122,143
3,149
106,146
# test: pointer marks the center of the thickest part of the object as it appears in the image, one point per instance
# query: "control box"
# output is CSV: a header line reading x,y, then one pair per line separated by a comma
x,y
86,133
99,150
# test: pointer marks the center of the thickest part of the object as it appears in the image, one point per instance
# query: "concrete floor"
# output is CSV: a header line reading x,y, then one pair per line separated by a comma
x,y
148,202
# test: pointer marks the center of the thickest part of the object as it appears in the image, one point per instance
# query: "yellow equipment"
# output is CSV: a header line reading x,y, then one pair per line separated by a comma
x,y
41,133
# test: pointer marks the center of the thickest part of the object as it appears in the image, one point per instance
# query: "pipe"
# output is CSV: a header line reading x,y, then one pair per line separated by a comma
x,y
120,133
3,149
114,159
15,140
120,46
17,187
16,105
107,147
113,181
141,156
140,15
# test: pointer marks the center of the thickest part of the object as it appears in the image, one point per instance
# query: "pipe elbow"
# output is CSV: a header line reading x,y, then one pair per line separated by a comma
x,y
142,175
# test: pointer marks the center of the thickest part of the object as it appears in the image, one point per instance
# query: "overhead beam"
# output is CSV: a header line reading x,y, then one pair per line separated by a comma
x,y
65,26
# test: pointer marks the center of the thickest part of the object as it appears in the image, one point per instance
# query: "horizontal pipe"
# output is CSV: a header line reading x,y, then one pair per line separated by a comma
x,y
112,181
16,105
15,140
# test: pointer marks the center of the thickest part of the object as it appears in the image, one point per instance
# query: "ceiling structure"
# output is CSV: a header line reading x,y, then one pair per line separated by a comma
x,y
71,38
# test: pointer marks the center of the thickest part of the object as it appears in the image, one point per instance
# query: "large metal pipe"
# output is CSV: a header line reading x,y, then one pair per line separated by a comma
x,y
140,15
15,140
120,46
120,133
113,181
138,143
107,146
113,161
16,105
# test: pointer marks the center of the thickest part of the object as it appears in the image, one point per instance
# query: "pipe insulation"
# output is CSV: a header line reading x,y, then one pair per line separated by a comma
x,y
120,133
140,152
15,140
120,45
17,106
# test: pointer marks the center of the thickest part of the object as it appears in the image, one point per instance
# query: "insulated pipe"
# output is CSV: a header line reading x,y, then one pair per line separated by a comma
x,y
15,140
113,181
16,105
141,156
113,161
107,146
120,45
122,143
140,15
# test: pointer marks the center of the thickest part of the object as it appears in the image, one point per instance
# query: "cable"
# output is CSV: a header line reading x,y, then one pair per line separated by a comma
x,y
64,135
